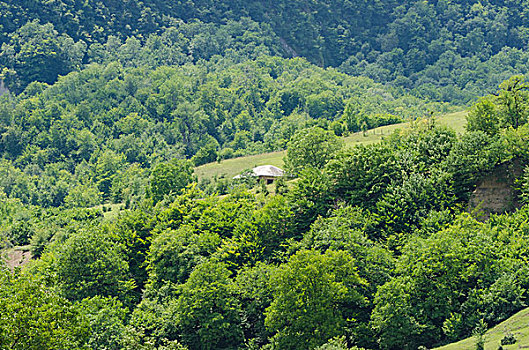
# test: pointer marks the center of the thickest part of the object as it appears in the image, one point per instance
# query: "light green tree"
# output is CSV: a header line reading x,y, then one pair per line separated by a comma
x,y
483,116
312,147
170,177
309,293
35,317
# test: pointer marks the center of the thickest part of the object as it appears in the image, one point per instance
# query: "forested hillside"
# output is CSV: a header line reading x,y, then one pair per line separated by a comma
x,y
113,104
94,131
446,50
370,247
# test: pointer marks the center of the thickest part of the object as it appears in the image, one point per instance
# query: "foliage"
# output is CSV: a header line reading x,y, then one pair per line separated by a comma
x,y
312,147
168,178
448,51
457,277
174,254
360,175
310,197
106,317
348,229
97,135
404,204
254,295
246,269
89,264
507,109
206,314
117,101
37,52
472,156
36,317
524,186
307,293
483,116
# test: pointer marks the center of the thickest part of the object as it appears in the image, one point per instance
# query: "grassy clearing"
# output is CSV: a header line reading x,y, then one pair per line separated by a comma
x,y
231,167
456,121
111,210
517,325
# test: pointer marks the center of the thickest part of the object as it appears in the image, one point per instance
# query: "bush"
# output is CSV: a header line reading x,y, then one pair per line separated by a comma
x,y
226,153
508,339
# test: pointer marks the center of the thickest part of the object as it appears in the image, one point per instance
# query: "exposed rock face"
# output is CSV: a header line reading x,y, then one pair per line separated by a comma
x,y
3,89
495,193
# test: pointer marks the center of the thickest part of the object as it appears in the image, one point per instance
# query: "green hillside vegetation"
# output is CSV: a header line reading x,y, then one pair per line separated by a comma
x,y
370,247
516,325
121,226
230,167
83,140
445,50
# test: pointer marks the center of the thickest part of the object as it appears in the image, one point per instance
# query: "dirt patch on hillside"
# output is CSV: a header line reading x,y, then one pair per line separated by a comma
x,y
16,257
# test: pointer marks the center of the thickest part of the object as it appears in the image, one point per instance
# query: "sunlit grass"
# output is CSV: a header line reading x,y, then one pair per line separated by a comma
x,y
517,325
231,167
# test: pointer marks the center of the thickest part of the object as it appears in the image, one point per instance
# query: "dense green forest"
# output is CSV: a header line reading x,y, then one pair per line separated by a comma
x,y
444,50
111,105
95,134
370,247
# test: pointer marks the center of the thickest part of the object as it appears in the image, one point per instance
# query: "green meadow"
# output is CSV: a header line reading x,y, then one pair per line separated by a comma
x,y
518,325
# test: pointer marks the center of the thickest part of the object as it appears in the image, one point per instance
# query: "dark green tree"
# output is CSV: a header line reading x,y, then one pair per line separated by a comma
x,y
106,317
206,314
514,98
174,254
90,263
37,52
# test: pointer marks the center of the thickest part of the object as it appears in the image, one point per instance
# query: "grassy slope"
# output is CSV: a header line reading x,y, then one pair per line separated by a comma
x,y
517,324
232,167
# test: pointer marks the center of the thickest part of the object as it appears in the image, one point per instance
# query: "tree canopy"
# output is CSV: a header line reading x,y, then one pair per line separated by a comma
x,y
111,240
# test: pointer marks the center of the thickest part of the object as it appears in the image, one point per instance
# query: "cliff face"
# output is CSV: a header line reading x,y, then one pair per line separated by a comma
x,y
3,89
496,193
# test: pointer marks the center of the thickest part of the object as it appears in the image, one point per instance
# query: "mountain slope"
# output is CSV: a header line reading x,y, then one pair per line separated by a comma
x,y
92,127
230,167
446,50
516,325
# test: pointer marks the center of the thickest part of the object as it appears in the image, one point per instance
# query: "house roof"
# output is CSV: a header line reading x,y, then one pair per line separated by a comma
x,y
268,170
265,170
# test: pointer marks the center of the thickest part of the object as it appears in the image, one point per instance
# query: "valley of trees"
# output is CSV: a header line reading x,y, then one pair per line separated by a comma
x,y
113,104
94,135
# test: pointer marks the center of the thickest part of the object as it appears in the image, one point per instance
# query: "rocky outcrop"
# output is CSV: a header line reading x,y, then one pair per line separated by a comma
x,y
495,193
